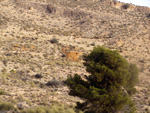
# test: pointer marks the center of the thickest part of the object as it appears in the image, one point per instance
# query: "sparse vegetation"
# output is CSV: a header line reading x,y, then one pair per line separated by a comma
x,y
52,109
27,28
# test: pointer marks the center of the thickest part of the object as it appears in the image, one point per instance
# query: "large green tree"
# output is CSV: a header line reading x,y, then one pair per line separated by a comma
x,y
109,86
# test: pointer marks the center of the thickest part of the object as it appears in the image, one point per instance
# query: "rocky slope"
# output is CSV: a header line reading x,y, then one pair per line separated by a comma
x,y
34,32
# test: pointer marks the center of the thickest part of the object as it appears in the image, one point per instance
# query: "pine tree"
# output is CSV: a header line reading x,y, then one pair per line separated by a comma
x,y
110,85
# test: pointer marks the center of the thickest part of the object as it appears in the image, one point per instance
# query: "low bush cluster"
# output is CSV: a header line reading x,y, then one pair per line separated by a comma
x,y
54,40
56,108
5,106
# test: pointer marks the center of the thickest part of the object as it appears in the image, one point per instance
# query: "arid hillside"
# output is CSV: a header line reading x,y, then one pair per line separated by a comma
x,y
42,42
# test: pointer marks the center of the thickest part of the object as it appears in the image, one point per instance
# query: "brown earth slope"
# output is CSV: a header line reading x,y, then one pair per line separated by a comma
x,y
34,32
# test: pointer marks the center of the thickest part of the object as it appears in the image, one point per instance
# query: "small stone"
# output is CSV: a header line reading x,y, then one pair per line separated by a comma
x,y
22,105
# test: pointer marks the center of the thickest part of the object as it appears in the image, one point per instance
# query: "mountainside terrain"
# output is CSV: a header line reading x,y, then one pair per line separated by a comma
x,y
42,42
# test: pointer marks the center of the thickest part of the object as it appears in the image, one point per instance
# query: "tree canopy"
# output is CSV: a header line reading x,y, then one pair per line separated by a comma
x,y
109,86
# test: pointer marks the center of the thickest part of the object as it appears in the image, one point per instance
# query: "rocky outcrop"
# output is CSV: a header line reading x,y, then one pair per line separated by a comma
x,y
126,6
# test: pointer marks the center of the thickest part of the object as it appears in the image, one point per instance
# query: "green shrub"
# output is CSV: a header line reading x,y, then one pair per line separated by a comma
x,y
54,40
5,106
109,86
2,92
54,83
126,6
53,109
61,109
36,110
